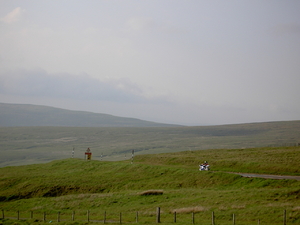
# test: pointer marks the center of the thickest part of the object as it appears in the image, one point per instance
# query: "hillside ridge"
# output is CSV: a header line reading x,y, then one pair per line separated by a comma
x,y
13,115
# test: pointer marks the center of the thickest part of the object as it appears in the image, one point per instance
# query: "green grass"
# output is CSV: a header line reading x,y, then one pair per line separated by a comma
x,y
272,160
113,187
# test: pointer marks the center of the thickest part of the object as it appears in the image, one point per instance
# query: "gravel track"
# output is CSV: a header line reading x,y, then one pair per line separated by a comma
x,y
269,176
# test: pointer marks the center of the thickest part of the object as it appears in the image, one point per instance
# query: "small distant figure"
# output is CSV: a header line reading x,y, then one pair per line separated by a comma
x,y
88,154
204,166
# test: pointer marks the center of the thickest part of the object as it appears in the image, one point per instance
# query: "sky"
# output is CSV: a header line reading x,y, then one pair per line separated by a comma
x,y
191,62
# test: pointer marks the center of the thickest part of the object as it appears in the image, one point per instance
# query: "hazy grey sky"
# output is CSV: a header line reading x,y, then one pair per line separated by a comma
x,y
186,62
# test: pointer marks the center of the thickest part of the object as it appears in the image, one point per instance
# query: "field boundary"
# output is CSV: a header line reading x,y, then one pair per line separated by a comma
x,y
136,217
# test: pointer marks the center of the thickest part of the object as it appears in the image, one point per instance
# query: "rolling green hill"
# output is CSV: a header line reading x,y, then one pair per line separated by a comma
x,y
171,180
27,145
13,115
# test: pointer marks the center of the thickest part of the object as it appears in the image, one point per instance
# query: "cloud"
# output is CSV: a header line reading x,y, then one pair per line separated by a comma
x,y
164,60
63,85
149,24
286,28
140,23
13,16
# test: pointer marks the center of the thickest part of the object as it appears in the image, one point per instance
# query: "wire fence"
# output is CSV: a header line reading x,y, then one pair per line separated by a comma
x,y
156,216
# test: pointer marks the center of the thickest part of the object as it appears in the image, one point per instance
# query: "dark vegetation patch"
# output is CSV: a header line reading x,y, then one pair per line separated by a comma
x,y
151,192
56,191
296,194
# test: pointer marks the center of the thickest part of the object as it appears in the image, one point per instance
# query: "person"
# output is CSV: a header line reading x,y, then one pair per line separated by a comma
x,y
204,166
201,167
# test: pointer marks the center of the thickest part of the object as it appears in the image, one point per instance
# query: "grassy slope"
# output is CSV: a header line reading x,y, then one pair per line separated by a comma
x,y
279,160
26,145
79,185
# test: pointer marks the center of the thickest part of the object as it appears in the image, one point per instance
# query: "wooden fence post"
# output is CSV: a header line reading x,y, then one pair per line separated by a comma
x,y
88,216
212,218
58,217
18,215
284,217
233,219
158,215
104,217
193,217
44,219
258,222
73,215
175,217
137,217
120,218
31,214
2,213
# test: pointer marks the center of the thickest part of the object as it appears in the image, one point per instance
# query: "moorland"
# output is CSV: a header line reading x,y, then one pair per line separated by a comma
x,y
41,180
28,145
171,181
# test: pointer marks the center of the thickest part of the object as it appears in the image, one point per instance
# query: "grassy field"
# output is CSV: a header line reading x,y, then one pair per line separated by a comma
x,y
173,179
27,145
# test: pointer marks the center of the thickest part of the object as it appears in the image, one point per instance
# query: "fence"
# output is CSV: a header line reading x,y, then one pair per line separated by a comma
x,y
129,217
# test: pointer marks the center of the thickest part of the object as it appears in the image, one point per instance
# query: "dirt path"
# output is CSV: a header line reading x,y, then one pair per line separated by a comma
x,y
269,176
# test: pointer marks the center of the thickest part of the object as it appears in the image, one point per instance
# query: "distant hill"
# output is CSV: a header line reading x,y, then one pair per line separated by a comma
x,y
13,115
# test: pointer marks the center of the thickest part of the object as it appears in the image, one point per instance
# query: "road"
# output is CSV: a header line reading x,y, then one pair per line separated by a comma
x,y
269,176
